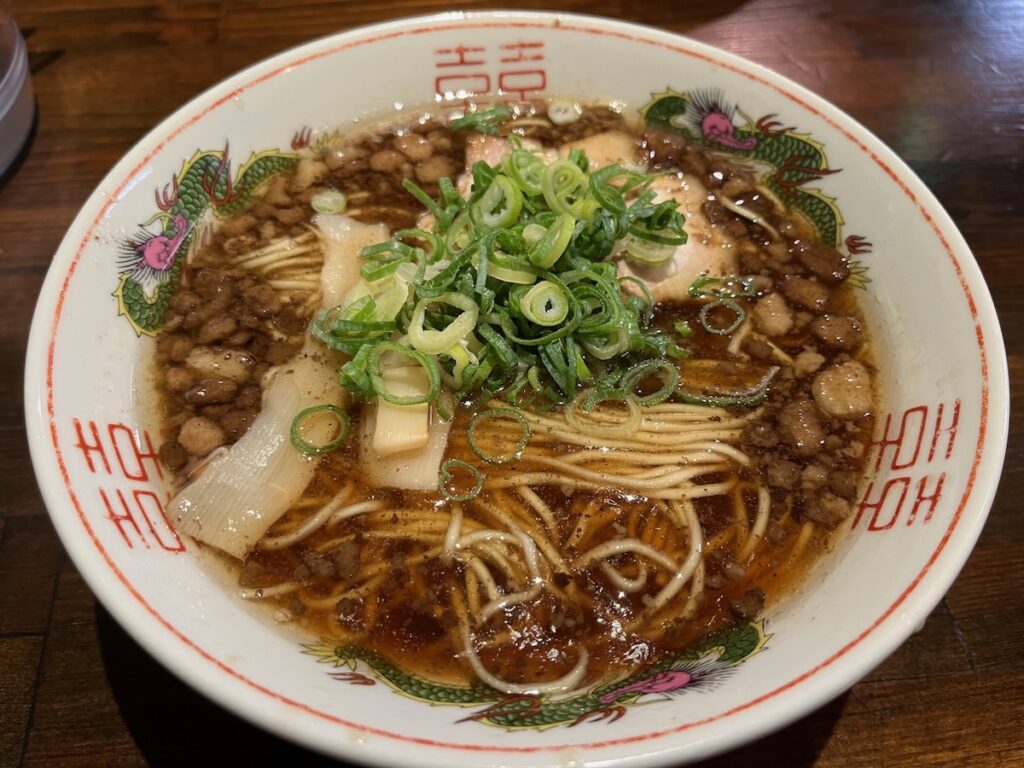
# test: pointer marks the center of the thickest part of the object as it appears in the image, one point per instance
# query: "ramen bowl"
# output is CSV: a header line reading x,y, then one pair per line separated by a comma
x,y
933,465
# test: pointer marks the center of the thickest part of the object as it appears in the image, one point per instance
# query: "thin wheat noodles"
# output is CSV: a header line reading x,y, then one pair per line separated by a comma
x,y
568,682
311,524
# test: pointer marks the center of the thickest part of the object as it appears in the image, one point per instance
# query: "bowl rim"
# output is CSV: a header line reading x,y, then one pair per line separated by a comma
x,y
232,690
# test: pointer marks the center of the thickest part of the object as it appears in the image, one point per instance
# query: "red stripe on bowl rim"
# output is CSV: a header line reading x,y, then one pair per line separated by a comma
x,y
561,25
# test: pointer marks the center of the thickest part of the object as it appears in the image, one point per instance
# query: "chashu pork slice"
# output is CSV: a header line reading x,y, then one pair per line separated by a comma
x,y
708,250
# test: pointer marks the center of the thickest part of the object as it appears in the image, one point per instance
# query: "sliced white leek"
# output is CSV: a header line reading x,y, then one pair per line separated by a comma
x,y
239,495
343,238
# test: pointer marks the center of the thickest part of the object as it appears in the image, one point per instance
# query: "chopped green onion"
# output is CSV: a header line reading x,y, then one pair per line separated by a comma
x,y
564,185
348,328
707,309
445,478
503,458
613,345
678,353
563,112
505,352
641,371
329,201
732,287
545,304
525,169
385,258
500,205
647,296
512,288
486,121
552,244
461,360
510,274
431,341
647,252
445,406
436,244
310,449
721,401
379,386
414,189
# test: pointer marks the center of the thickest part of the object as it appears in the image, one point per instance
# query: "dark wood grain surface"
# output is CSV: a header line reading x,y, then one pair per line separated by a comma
x,y
940,81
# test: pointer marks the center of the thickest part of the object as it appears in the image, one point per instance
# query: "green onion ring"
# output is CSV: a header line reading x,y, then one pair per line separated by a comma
x,y
309,449
647,295
431,341
500,205
525,169
377,379
705,316
510,332
329,201
646,252
552,244
747,287
545,304
609,197
520,444
640,371
564,185
445,476
436,243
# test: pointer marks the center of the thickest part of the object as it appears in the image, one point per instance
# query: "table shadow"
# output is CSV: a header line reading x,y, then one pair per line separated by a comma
x,y
171,723
797,746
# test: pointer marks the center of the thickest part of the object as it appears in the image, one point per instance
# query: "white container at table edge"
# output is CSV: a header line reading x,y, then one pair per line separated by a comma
x,y
17,100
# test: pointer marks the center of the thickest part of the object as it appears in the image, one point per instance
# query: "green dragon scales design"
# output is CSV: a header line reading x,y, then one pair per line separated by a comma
x,y
784,159
701,666
150,264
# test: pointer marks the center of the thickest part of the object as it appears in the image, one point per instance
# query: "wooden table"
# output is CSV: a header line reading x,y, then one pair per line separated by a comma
x,y
940,82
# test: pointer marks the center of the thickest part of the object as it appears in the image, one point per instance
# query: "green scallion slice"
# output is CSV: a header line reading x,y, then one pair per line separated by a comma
x,y
311,449
379,386
708,325
641,371
329,201
445,479
485,121
504,413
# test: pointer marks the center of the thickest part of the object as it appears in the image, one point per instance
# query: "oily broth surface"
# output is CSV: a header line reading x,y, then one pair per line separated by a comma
x,y
406,627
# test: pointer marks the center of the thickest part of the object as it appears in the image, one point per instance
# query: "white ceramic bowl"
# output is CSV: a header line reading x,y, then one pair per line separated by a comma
x,y
935,466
